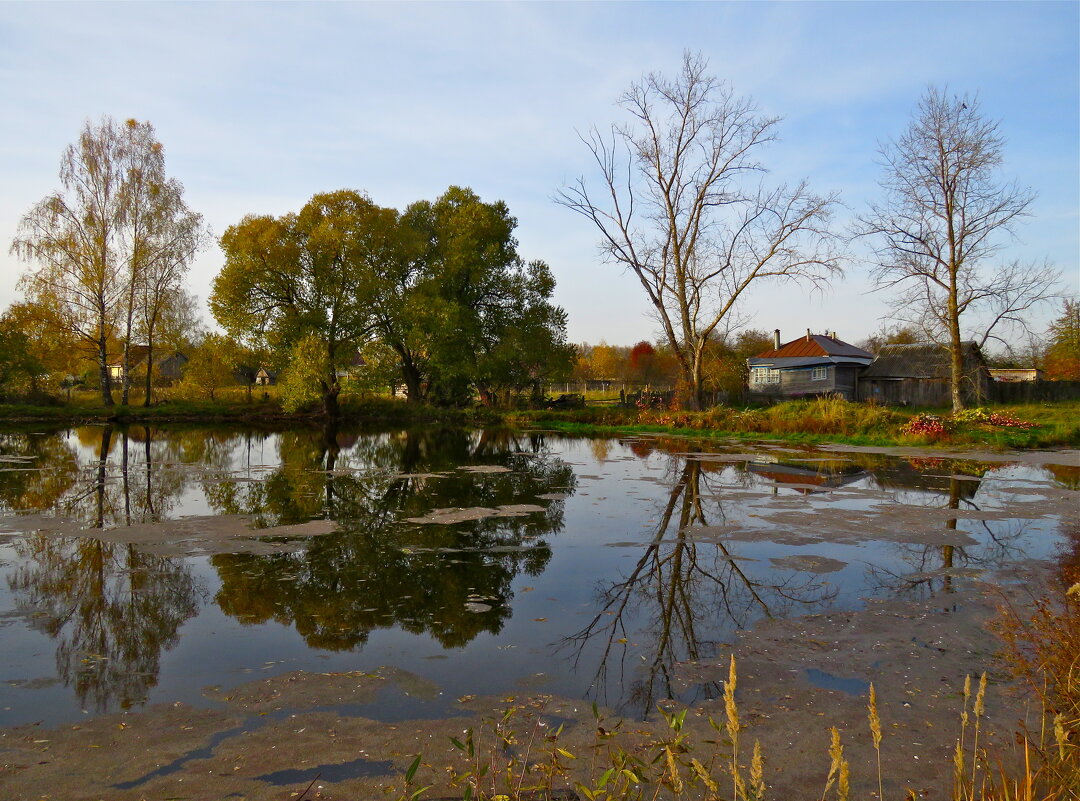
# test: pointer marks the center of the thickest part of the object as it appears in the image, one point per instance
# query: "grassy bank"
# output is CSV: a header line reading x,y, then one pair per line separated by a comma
x,y
820,420
833,420
236,408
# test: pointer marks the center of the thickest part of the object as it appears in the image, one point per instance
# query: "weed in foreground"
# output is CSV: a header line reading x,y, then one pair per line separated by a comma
x,y
498,765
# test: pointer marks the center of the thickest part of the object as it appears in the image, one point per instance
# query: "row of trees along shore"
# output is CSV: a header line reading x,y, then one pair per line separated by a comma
x,y
435,298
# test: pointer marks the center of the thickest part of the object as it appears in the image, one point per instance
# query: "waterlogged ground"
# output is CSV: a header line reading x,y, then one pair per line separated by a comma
x,y
238,612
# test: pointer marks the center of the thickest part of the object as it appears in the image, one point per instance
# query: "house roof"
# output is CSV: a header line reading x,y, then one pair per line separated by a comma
x,y
813,349
136,354
919,360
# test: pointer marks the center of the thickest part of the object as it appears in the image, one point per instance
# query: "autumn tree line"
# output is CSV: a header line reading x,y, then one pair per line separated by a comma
x,y
435,298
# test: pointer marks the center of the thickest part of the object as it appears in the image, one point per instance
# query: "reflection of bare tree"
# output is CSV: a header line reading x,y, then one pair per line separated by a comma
x,y
680,600
932,569
112,610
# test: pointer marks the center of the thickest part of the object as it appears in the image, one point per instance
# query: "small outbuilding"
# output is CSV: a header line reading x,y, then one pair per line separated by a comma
x,y
817,364
920,375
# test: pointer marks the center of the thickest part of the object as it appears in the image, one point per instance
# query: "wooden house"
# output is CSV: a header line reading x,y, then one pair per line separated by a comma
x,y
137,355
816,364
919,375
167,369
265,377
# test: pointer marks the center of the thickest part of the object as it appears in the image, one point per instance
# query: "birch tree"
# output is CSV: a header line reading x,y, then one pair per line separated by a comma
x,y
946,213
681,203
74,237
112,243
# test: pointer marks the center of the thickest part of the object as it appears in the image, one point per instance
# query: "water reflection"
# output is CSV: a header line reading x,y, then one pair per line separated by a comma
x,y
111,609
727,539
377,572
681,598
36,470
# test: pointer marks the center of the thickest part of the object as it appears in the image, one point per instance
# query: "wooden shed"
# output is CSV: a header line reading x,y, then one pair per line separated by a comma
x,y
919,375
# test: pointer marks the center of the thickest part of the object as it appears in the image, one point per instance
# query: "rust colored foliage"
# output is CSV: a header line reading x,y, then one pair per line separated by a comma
x,y
1043,649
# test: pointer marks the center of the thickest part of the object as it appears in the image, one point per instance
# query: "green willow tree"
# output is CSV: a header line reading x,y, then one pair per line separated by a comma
x,y
441,286
471,315
311,274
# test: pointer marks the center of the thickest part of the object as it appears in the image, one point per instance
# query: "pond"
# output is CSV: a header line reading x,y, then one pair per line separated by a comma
x,y
144,565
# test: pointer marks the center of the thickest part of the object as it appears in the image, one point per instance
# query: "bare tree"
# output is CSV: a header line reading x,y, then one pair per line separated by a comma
x,y
680,207
946,213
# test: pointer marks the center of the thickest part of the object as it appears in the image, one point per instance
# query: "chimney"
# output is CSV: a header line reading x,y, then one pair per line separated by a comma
x,y
776,339
807,334
833,335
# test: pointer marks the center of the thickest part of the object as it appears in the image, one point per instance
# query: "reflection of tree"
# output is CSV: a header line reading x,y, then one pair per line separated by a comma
x,y
37,470
376,572
932,568
112,610
680,598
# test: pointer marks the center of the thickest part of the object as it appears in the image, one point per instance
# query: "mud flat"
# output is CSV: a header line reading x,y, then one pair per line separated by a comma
x,y
270,738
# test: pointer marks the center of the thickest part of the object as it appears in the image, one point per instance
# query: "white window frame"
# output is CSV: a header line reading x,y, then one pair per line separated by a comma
x,y
766,375
819,373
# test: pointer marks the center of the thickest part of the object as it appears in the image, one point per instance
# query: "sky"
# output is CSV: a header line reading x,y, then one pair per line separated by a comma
x,y
261,105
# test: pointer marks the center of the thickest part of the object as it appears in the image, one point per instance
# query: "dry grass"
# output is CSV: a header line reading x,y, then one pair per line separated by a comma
x,y
1043,649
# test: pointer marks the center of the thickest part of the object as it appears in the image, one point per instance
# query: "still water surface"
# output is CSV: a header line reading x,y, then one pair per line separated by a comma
x,y
484,561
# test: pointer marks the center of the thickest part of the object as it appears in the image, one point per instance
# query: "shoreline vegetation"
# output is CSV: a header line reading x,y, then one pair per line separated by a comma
x,y
810,422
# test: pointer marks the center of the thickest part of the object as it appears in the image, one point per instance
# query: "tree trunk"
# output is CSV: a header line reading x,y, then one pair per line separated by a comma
x,y
411,375
149,370
331,408
103,371
125,382
956,354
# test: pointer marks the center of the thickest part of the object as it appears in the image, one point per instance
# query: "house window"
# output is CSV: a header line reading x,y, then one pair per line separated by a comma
x,y
819,374
766,375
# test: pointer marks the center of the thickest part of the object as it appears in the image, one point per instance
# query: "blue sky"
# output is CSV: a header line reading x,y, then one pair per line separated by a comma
x,y
261,105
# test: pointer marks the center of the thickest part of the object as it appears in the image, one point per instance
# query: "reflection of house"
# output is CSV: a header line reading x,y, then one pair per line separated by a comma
x,y
1010,374
812,365
807,477
919,375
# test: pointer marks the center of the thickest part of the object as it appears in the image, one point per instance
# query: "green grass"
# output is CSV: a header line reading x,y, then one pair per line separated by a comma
x,y
821,420
804,421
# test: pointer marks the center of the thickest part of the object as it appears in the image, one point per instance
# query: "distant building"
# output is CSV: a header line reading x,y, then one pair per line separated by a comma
x,y
167,370
137,355
816,364
265,377
1010,374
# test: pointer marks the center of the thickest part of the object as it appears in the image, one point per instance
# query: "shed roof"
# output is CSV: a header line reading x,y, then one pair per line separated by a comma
x,y
920,360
